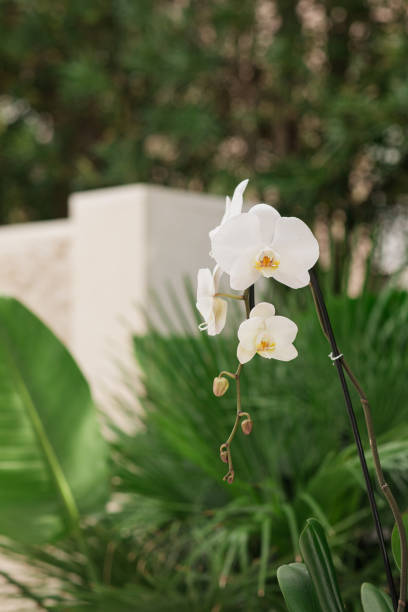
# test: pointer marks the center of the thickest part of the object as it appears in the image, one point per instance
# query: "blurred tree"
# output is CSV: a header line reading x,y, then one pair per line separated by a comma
x,y
307,98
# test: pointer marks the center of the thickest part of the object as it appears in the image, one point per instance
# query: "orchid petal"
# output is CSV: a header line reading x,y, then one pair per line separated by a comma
x,y
294,238
244,355
267,354
220,308
243,273
263,309
235,236
211,324
237,198
268,217
226,216
285,352
232,207
249,330
204,306
205,283
282,329
212,309
217,274
291,273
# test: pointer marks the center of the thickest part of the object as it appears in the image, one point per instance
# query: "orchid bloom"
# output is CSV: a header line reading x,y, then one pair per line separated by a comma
x,y
232,207
262,243
213,309
268,335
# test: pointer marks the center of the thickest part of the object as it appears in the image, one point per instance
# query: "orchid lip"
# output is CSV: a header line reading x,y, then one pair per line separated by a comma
x,y
266,259
264,345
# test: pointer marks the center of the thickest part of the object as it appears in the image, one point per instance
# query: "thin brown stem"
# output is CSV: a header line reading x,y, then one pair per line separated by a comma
x,y
226,447
247,300
229,477
225,373
231,296
385,488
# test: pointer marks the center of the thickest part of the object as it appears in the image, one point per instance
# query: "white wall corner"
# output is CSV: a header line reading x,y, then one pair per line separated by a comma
x,y
109,278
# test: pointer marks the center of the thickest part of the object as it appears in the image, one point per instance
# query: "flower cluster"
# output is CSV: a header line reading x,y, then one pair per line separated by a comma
x,y
247,246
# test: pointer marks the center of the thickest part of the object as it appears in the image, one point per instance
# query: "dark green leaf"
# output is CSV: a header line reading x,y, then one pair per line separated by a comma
x,y
318,560
375,600
297,588
395,541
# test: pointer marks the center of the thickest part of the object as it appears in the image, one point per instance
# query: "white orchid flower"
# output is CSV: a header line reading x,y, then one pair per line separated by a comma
x,y
213,309
262,243
268,335
233,207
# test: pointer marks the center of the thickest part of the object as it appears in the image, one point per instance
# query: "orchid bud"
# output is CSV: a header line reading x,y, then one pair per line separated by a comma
x,y
246,426
224,456
229,477
224,453
220,386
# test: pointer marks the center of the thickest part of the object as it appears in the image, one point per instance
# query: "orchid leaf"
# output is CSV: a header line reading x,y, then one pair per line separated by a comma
x,y
318,560
395,541
297,588
374,600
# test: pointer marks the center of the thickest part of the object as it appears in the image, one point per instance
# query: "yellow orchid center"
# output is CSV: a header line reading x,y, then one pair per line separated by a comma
x,y
265,262
265,345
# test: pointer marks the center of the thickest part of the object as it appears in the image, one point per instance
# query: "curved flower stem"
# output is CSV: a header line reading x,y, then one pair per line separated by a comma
x,y
230,296
229,477
339,363
225,373
385,488
249,298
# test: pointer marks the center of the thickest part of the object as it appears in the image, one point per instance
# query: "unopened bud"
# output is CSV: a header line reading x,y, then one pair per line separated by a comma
x,y
224,453
220,386
224,456
229,477
246,426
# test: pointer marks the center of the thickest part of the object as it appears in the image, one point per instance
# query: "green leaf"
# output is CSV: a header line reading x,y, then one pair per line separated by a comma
x,y
53,460
297,588
317,557
395,541
374,600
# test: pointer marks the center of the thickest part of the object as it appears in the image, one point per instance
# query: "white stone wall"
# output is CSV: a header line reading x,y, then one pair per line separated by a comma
x,y
88,276
35,267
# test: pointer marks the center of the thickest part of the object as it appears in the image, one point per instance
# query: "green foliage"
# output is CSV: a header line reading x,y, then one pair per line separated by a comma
x,y
316,555
299,457
310,103
312,586
395,541
175,535
297,588
374,600
49,431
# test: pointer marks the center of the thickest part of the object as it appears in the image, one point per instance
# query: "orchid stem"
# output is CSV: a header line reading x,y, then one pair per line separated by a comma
x,y
249,299
339,362
385,488
229,295
225,373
